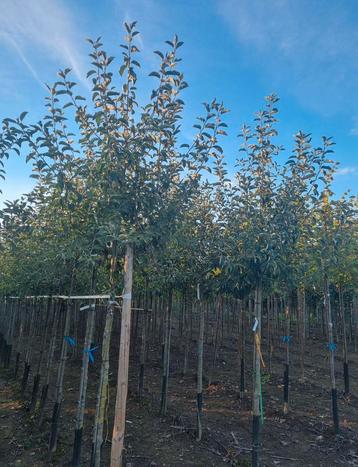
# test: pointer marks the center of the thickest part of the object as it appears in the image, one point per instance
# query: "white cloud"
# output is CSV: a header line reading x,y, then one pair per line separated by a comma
x,y
347,171
354,130
310,45
42,28
23,58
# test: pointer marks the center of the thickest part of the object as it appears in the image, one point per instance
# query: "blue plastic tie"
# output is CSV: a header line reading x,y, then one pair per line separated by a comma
x,y
90,353
332,346
286,339
70,340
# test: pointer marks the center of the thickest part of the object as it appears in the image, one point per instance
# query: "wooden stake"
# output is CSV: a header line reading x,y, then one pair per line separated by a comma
x,y
122,379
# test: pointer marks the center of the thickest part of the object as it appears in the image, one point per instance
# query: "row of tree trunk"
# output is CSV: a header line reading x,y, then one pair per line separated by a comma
x,y
41,334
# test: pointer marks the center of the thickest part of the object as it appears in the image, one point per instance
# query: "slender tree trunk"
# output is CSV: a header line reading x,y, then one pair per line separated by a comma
x,y
199,391
331,349
22,318
61,374
256,400
49,363
102,393
5,333
269,331
154,317
277,318
302,327
166,355
324,324
163,329
181,314
77,446
10,334
219,311
37,379
86,356
27,366
345,346
242,352
143,347
355,320
350,323
286,375
3,317
59,384
122,378
186,335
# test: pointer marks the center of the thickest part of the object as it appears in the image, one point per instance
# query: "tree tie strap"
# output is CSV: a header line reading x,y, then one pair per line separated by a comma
x,y
258,349
70,340
90,353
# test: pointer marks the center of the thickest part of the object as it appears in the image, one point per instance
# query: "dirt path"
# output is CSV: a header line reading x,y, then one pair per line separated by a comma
x,y
18,444
302,438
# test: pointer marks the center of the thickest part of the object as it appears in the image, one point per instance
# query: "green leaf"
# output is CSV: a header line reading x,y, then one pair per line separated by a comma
x,y
158,52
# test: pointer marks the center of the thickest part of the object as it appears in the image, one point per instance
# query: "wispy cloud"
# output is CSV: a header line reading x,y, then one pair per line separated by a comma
x,y
347,171
354,130
153,24
311,45
42,28
23,58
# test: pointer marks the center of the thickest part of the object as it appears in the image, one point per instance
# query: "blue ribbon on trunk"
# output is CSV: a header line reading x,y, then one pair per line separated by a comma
x,y
70,340
90,353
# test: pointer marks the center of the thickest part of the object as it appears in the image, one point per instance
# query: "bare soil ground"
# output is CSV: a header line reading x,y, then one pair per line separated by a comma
x,y
304,437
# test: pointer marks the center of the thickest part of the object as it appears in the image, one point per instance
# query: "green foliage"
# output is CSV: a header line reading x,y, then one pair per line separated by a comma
x,y
109,172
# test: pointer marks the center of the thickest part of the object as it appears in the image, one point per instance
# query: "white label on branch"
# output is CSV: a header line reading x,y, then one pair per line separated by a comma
x,y
85,307
256,323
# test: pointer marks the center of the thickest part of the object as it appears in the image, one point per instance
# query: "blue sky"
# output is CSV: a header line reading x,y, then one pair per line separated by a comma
x,y
235,50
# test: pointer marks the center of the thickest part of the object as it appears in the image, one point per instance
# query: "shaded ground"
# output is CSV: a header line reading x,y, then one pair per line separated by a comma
x,y
303,437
